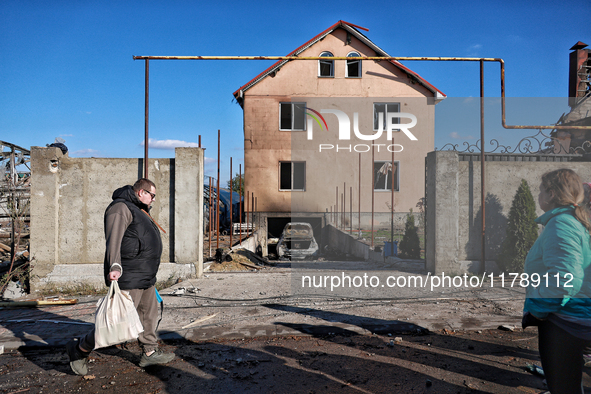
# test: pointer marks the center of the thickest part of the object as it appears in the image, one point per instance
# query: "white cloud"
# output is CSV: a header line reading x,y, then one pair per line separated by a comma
x,y
456,136
209,160
515,39
66,135
473,50
169,144
87,153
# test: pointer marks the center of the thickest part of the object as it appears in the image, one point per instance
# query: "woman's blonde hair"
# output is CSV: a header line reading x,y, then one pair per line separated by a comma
x,y
568,190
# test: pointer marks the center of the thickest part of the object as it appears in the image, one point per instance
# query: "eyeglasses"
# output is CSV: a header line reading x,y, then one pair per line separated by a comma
x,y
153,195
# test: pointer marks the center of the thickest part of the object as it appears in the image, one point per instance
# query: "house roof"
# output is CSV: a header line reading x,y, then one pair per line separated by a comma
x,y
353,29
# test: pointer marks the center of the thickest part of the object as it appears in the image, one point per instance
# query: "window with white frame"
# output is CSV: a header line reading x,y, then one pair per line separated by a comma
x,y
292,116
292,175
353,65
380,110
326,67
382,175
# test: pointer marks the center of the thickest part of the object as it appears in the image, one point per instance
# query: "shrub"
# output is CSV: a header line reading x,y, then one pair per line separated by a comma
x,y
410,246
522,230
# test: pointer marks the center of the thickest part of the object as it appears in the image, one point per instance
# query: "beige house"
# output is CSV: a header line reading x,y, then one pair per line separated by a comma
x,y
314,129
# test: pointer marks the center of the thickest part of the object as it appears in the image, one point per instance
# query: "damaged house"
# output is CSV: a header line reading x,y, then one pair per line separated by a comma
x,y
579,93
316,140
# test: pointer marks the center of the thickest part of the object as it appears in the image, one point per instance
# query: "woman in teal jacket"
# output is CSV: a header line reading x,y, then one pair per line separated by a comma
x,y
559,271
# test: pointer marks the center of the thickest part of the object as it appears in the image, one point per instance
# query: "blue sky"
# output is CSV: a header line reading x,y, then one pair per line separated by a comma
x,y
66,67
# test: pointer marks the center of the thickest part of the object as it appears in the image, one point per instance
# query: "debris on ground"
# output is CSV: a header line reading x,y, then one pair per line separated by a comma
x,y
22,258
194,323
236,260
180,291
226,266
535,370
36,302
253,257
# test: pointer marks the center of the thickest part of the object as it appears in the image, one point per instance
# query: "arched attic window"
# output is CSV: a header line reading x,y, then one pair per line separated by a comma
x,y
326,67
353,65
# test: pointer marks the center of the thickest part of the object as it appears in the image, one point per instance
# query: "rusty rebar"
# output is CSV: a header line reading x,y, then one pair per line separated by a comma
x,y
392,205
344,205
217,205
342,209
246,202
351,210
146,115
482,172
231,206
240,193
373,181
210,218
336,215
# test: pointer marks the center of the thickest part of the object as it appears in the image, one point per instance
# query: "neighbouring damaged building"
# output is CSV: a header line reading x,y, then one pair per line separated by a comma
x,y
15,186
579,100
15,189
296,162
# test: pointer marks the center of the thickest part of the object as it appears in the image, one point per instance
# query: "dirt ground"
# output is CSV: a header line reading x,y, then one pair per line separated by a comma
x,y
491,361
442,361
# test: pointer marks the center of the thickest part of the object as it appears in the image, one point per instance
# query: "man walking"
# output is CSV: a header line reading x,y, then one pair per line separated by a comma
x,y
132,257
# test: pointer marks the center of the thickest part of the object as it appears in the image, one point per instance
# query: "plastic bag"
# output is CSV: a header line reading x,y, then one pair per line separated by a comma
x,y
116,318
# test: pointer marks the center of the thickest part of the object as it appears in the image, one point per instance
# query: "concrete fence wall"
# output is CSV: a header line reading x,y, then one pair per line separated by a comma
x,y
344,243
454,224
69,197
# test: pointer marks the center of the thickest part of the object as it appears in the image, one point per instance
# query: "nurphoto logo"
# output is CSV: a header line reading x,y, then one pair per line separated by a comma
x,y
344,131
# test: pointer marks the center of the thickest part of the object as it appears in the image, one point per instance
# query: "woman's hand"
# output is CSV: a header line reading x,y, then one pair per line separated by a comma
x,y
529,320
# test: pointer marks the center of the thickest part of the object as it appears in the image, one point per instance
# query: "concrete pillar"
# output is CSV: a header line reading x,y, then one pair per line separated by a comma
x,y
188,207
260,219
442,228
45,174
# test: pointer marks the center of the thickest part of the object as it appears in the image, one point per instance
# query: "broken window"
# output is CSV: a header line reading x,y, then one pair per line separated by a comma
x,y
382,171
292,116
379,112
292,175
326,67
353,65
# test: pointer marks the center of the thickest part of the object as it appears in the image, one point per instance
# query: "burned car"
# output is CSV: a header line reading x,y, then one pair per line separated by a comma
x,y
297,242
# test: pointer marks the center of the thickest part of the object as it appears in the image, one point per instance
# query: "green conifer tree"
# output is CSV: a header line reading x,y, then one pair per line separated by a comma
x,y
410,246
237,184
522,231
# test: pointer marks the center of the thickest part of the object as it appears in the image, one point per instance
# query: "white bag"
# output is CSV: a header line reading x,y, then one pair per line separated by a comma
x,y
116,318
